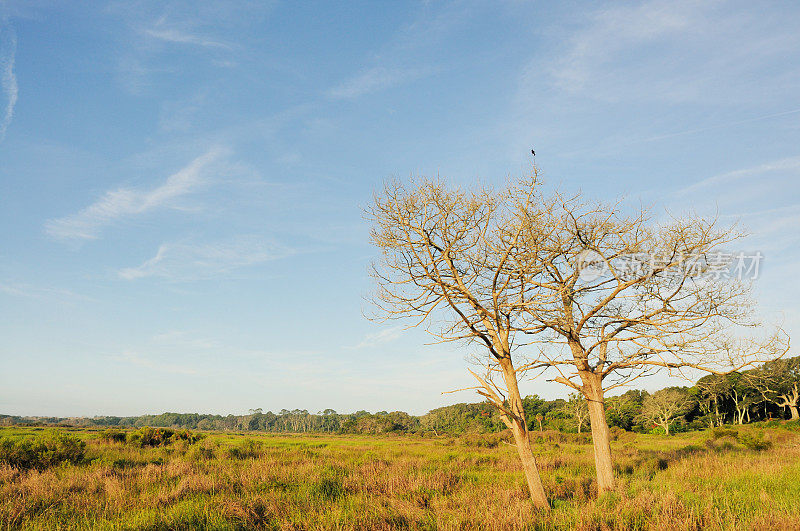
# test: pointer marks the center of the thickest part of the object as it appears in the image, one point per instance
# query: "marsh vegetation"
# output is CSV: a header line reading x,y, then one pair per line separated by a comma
x,y
742,477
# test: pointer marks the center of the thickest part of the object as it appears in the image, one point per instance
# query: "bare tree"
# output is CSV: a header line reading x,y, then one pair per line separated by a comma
x,y
779,382
446,261
603,297
576,408
622,409
713,390
613,297
743,394
664,406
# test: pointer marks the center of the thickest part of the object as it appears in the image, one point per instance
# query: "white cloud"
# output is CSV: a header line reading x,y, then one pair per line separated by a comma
x,y
122,203
379,338
678,52
8,81
371,80
185,262
175,35
615,30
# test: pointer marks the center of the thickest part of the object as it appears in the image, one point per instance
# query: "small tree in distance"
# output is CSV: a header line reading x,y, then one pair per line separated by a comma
x,y
664,406
576,408
779,382
712,390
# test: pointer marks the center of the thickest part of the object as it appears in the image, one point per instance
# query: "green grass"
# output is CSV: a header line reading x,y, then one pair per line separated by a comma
x,y
250,481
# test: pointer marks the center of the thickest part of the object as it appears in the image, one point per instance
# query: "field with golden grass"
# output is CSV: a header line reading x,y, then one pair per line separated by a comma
x,y
699,480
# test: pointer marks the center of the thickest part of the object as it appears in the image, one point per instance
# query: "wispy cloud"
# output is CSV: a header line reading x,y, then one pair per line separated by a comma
x,y
162,31
614,30
675,52
407,55
756,198
185,262
8,80
372,80
386,335
725,125
30,291
135,359
221,32
789,164
183,339
123,202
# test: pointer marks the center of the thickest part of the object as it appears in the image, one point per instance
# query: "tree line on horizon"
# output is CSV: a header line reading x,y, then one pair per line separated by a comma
x,y
764,393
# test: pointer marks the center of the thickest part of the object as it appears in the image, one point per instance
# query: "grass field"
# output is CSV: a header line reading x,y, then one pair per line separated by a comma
x,y
695,480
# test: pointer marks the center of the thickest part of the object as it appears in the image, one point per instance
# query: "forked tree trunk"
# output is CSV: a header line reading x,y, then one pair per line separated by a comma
x,y
520,430
593,391
795,412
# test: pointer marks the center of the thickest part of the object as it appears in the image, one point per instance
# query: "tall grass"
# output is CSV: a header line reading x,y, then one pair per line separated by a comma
x,y
229,481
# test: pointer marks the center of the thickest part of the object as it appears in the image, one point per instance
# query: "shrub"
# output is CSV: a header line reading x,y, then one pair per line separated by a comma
x,y
485,440
135,438
723,444
203,451
793,425
188,436
721,431
615,433
113,435
248,449
754,441
147,436
42,451
155,436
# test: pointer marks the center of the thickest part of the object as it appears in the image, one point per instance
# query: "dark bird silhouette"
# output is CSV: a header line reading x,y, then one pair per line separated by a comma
x,y
533,153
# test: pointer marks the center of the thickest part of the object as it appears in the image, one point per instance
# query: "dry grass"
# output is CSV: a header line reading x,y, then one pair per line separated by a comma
x,y
229,481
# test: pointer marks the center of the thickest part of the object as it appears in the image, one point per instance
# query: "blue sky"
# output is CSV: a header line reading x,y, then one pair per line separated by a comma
x,y
182,183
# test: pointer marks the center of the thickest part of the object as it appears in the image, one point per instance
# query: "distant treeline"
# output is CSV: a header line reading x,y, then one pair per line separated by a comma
x,y
769,392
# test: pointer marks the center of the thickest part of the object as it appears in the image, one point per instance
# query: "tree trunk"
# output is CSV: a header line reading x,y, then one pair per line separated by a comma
x,y
790,400
520,430
529,465
600,437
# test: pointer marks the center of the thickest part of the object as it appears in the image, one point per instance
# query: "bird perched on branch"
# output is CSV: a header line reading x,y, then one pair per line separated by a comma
x,y
533,153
